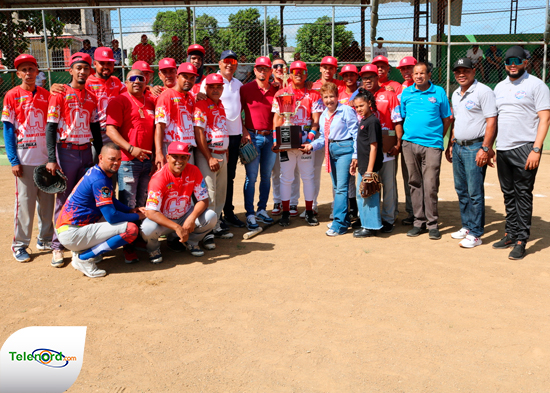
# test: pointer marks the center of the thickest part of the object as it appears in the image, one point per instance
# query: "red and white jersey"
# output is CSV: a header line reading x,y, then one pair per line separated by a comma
x,y
73,111
319,82
171,195
396,86
388,109
27,113
308,101
343,97
104,90
197,88
176,109
211,118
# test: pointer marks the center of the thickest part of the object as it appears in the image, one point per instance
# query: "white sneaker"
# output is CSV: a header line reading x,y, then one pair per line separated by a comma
x,y
331,216
460,234
57,258
87,266
470,241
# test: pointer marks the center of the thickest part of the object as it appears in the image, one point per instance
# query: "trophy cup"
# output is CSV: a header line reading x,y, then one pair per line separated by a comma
x,y
289,136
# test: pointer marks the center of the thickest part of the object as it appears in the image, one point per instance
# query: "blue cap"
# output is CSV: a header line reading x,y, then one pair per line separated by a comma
x,y
228,53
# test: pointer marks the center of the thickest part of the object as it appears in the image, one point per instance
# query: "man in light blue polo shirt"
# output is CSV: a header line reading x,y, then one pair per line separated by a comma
x,y
427,114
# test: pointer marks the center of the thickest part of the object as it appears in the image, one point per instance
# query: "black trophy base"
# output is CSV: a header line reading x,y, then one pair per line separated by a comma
x,y
289,137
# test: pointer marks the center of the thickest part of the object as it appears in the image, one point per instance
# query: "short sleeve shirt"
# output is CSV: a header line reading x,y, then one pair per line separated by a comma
x,y
104,91
171,195
176,109
369,132
472,109
257,105
518,104
404,85
123,113
27,113
211,118
144,52
396,86
308,101
388,111
475,57
344,98
73,111
94,190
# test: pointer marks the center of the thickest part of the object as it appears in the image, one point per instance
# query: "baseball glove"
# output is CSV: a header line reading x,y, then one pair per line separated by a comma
x,y
48,183
247,152
370,184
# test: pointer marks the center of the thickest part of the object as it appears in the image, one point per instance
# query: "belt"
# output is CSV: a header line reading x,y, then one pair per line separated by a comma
x,y
73,146
217,151
339,140
469,142
261,132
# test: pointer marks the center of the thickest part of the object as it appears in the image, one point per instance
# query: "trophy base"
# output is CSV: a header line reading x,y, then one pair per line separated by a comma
x,y
289,137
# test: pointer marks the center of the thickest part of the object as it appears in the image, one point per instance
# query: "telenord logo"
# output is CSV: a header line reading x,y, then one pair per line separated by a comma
x,y
42,359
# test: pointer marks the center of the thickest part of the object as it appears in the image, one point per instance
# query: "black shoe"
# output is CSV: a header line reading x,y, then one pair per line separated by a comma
x,y
434,234
386,227
310,218
285,219
505,242
232,219
176,246
352,208
356,224
518,252
363,232
408,221
416,231
223,225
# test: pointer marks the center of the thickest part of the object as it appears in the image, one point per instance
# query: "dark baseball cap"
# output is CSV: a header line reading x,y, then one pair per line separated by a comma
x,y
463,62
515,51
228,53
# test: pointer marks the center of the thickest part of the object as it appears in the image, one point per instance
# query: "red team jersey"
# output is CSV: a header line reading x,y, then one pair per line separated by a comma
x,y
396,86
197,88
27,113
211,118
319,82
388,110
171,195
104,91
343,97
73,111
309,103
176,109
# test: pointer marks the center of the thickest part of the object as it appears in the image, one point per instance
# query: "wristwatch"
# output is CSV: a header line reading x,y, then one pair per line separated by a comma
x,y
536,149
485,149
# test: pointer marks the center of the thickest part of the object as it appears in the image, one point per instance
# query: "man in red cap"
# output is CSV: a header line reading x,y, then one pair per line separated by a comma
x,y
168,74
174,115
383,65
169,207
306,116
24,118
406,66
144,51
349,75
175,51
73,124
195,56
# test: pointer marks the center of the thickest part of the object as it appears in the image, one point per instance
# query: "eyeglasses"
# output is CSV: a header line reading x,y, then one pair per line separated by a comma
x,y
513,61
278,66
136,78
262,69
230,60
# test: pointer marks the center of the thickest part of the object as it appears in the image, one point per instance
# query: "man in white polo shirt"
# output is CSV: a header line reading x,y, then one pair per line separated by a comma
x,y
523,103
470,148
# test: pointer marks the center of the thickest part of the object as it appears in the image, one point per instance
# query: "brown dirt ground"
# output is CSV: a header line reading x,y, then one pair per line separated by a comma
x,y
292,310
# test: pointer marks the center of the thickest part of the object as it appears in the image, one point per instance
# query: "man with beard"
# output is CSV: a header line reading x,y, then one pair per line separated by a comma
x,y
523,104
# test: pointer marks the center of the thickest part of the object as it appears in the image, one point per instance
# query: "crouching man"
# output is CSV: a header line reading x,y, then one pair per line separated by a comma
x,y
169,209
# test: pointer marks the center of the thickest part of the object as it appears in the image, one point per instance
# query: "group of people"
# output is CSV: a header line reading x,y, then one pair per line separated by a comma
x,y
172,151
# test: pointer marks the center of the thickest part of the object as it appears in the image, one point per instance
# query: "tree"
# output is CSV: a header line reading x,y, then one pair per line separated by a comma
x,y
168,24
315,40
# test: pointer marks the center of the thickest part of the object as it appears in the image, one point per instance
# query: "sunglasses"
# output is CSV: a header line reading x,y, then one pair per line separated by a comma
x,y
136,78
230,61
513,61
278,66
298,72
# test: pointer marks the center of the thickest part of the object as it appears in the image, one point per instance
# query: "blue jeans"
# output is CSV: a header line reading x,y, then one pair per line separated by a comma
x,y
369,208
340,160
264,162
469,180
133,180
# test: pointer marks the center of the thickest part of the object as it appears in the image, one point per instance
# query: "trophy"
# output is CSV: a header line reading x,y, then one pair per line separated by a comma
x,y
289,136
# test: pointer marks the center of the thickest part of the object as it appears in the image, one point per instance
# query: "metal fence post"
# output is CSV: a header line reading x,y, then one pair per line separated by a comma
x,y
265,32
332,45
123,63
46,48
546,32
448,47
194,27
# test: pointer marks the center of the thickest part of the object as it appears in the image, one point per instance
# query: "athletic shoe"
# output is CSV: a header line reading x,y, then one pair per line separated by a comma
x,y
175,245
276,209
416,231
57,258
434,234
285,219
386,227
222,234
408,221
505,242
40,245
194,250
293,210
331,216
87,266
155,256
21,255
130,255
361,233
223,224
310,218
460,234
470,241
518,252
251,223
332,233
303,215
262,216
234,220
329,225
208,241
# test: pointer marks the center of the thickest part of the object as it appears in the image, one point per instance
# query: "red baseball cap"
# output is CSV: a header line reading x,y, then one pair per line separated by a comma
x,y
195,48
369,68
167,62
142,66
175,38
329,60
381,58
407,61
349,68
187,68
179,148
214,79
23,58
81,57
298,65
104,54
263,61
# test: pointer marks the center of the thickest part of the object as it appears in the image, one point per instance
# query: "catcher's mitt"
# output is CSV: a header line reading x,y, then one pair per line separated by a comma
x,y
370,184
247,152
47,182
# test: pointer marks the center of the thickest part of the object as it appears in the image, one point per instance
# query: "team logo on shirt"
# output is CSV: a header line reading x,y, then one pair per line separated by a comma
x,y
520,94
470,104
35,120
433,100
21,99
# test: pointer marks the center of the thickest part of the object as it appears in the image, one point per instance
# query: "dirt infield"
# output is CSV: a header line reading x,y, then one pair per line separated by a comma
x,y
292,310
